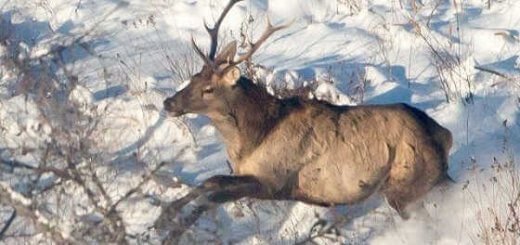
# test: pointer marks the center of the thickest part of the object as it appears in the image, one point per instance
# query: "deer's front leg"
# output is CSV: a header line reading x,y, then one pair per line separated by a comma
x,y
215,190
215,183
171,211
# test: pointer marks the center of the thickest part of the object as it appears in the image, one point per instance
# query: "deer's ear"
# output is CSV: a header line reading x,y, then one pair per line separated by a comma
x,y
230,76
227,54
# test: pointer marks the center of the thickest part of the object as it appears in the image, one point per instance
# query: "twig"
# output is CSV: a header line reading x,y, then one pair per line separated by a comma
x,y
25,207
16,164
78,40
78,6
5,4
138,186
7,224
480,68
321,233
118,229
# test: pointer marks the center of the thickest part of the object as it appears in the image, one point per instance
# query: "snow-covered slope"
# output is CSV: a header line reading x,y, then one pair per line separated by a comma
x,y
457,60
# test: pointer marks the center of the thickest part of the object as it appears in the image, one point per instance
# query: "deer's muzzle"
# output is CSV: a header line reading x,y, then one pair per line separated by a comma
x,y
173,108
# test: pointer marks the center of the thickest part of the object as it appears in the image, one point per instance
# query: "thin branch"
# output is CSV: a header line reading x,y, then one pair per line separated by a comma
x,y
5,4
323,231
78,40
480,68
25,207
16,164
99,185
138,187
7,224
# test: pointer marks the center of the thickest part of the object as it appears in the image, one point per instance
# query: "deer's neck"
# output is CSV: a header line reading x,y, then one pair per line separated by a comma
x,y
255,113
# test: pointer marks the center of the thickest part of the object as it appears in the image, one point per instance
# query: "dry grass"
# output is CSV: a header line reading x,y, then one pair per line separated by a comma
x,y
497,198
454,74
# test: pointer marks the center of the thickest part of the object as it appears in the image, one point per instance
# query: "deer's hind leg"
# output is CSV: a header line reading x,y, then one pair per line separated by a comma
x,y
411,177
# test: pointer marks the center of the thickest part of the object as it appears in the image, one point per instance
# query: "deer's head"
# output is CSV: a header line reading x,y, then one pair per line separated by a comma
x,y
214,87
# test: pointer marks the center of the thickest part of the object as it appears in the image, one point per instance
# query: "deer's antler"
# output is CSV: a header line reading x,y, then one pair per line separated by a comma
x,y
213,32
269,30
206,60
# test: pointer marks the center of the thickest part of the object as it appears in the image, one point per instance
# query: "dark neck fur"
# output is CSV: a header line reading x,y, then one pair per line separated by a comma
x,y
254,114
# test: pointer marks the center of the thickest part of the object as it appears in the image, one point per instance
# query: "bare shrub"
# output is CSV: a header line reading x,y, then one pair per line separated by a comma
x,y
497,199
181,62
63,154
454,69
57,183
349,7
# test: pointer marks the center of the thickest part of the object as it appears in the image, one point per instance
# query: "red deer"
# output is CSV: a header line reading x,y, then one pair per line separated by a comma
x,y
303,149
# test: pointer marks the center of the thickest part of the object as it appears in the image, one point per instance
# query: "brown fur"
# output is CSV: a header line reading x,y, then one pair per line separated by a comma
x,y
304,150
320,153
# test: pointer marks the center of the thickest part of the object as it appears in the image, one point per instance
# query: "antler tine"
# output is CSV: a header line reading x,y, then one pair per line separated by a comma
x,y
206,60
270,29
213,32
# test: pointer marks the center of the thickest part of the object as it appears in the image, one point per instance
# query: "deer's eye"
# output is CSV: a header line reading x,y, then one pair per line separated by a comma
x,y
207,90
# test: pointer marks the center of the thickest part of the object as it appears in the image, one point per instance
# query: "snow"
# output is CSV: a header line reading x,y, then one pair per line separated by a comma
x,y
372,55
